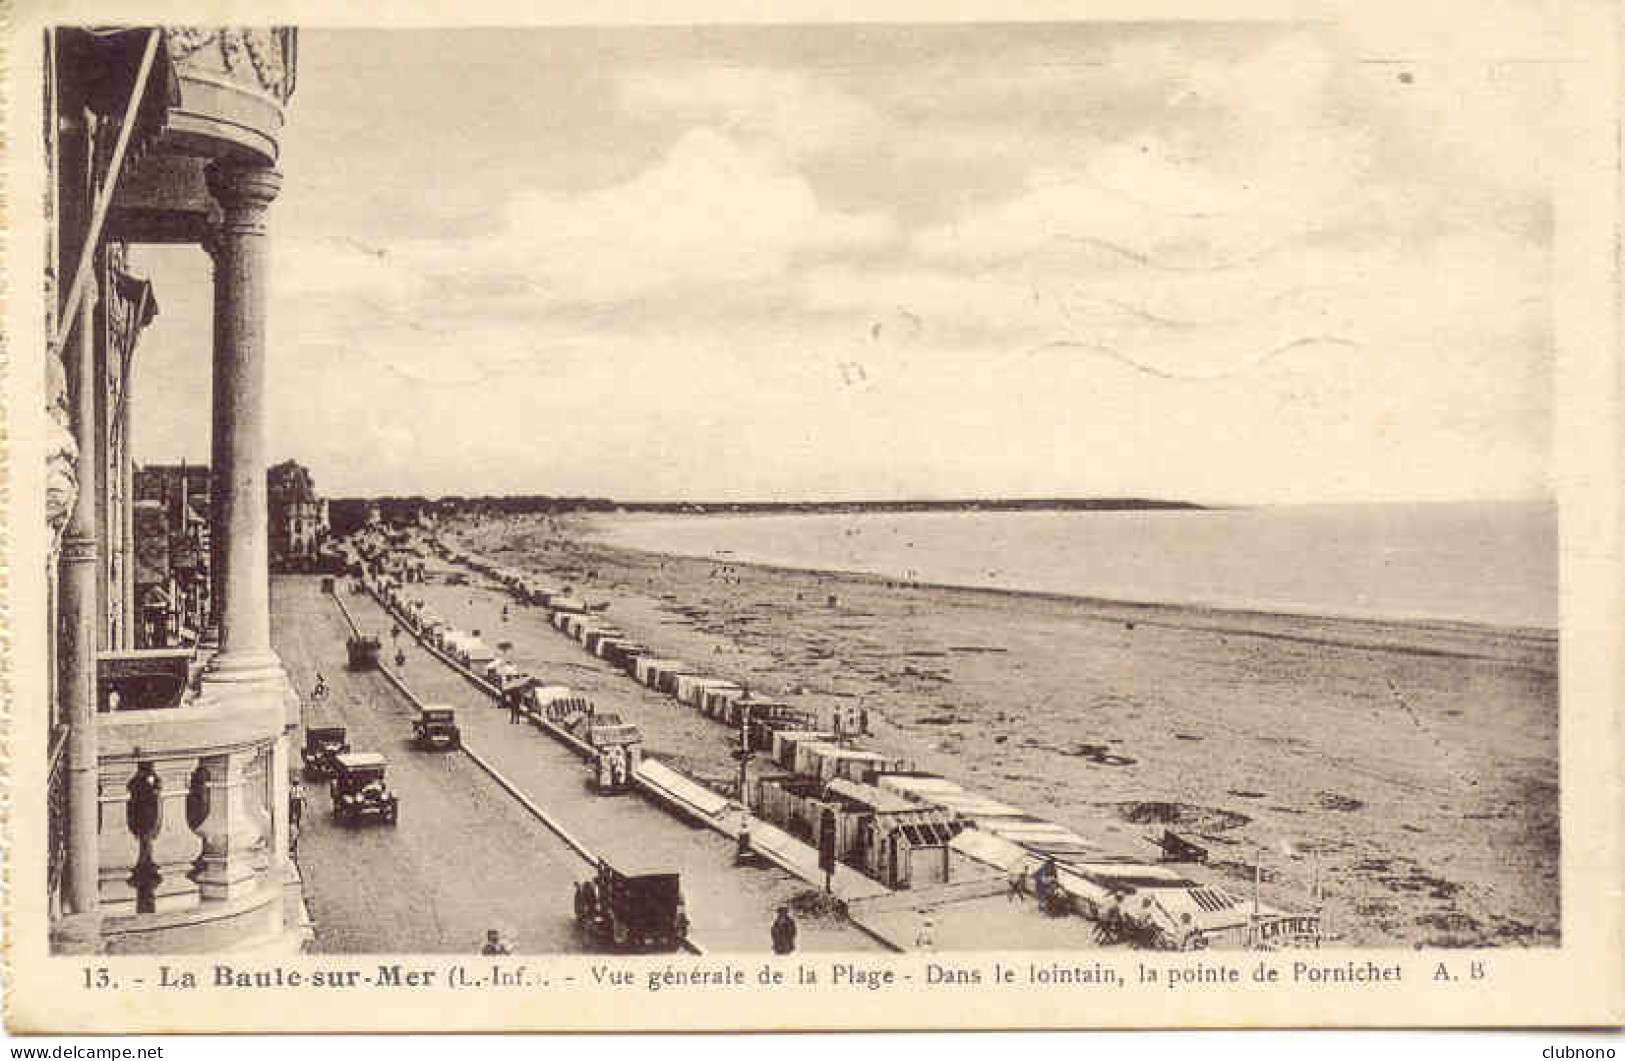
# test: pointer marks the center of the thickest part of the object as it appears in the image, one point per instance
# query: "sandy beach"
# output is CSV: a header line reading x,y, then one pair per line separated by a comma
x,y
1411,767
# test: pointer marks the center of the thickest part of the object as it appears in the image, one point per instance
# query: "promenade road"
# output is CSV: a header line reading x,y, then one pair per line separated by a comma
x,y
731,908
465,856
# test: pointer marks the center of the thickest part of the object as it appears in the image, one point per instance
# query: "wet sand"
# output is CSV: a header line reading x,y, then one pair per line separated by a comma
x,y
1418,760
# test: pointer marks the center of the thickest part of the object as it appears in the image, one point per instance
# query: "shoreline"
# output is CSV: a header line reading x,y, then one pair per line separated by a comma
x,y
1252,622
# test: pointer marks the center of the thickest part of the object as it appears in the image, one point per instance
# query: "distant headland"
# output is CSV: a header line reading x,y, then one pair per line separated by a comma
x,y
352,511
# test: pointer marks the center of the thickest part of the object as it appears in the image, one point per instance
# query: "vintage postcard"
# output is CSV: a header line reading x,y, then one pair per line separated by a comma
x,y
667,517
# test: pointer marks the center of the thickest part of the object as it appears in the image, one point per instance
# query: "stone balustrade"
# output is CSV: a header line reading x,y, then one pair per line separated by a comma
x,y
192,822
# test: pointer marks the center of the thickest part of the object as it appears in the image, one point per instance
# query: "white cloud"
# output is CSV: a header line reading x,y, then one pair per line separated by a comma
x,y
795,114
711,212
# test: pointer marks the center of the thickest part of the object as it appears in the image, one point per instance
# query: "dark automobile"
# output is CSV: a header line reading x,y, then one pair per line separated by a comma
x,y
363,652
436,727
323,744
359,792
633,910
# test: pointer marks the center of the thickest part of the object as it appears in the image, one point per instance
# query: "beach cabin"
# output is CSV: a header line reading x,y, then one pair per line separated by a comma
x,y
620,651
1159,904
1043,839
831,762
644,667
804,759
785,742
794,804
666,678
607,647
768,718
843,716
564,603
595,638
691,688
898,842
557,704
984,812
503,675
714,703
476,654
1001,854
917,786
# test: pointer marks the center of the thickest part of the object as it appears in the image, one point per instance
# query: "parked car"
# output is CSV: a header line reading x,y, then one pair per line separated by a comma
x,y
359,791
436,727
632,908
363,652
322,745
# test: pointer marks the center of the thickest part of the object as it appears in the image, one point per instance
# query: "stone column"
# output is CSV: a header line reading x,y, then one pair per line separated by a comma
x,y
239,448
127,518
77,615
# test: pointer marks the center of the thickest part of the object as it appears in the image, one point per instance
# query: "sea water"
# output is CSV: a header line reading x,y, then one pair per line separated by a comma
x,y
1490,563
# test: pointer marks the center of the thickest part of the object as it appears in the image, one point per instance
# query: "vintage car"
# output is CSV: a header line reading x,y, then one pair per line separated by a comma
x,y
322,745
632,908
363,652
358,789
436,727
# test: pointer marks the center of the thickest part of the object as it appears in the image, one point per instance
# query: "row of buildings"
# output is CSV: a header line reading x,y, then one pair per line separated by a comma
x,y
172,563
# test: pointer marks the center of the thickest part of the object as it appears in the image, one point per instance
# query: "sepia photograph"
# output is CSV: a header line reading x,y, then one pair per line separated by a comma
x,y
907,506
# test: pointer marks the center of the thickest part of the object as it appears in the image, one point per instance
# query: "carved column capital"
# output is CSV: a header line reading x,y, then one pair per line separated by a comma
x,y
244,193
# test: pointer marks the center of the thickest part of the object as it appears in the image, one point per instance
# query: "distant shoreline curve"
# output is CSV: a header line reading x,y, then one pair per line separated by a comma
x,y
1457,638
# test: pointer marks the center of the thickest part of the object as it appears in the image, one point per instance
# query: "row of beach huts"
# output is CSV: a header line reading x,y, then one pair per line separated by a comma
x,y
903,827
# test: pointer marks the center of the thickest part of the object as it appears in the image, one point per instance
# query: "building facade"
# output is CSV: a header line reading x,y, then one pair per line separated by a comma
x,y
298,518
173,581
168,763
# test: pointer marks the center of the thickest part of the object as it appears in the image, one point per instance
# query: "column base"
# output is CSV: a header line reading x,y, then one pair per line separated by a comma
x,y
239,668
77,934
214,889
117,896
175,893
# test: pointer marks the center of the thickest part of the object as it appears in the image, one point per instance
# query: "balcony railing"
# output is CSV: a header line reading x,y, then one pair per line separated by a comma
x,y
191,831
56,813
152,679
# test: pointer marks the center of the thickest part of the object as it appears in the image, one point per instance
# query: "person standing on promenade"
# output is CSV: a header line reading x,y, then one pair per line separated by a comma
x,y
512,696
784,932
296,812
1018,887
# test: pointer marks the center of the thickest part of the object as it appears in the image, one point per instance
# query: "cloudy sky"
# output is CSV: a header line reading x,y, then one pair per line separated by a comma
x,y
1218,262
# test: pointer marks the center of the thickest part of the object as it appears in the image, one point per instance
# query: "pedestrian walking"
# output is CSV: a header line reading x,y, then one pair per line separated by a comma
x,y
925,938
784,932
1018,887
495,944
512,696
